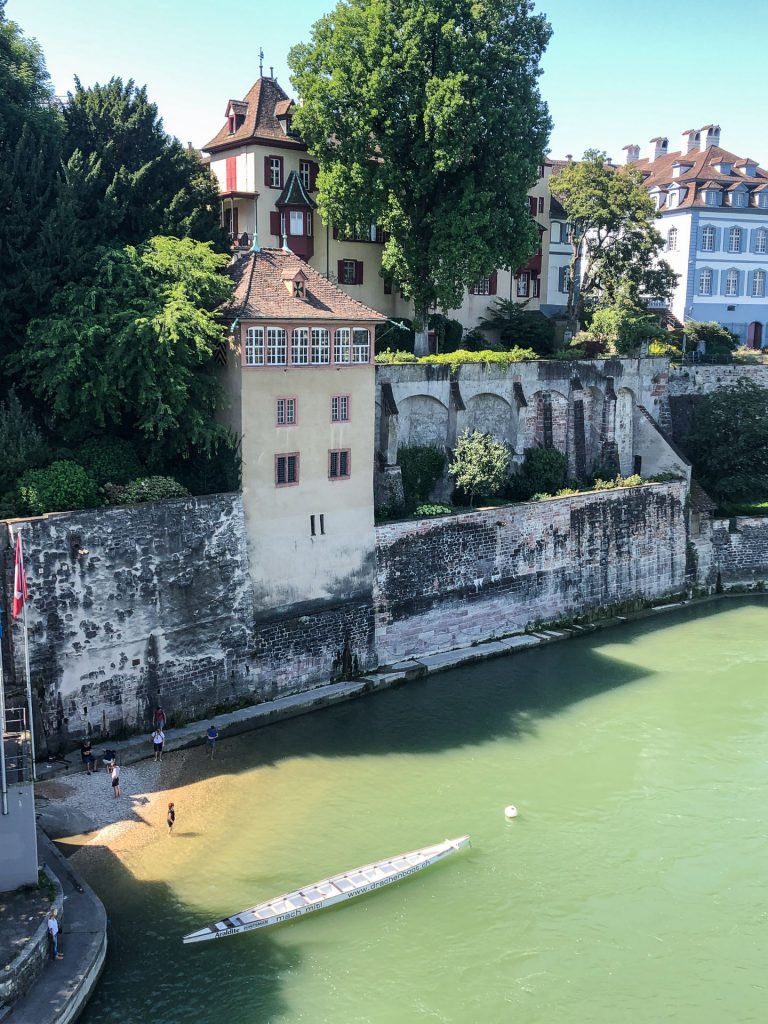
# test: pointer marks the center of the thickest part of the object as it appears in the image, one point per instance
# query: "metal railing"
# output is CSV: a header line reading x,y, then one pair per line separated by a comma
x,y
17,746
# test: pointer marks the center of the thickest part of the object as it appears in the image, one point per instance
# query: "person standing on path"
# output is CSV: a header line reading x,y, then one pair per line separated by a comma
x,y
211,736
158,739
86,755
53,935
116,780
171,817
159,719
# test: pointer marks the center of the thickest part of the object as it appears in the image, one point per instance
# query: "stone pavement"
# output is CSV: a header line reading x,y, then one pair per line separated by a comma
x,y
62,989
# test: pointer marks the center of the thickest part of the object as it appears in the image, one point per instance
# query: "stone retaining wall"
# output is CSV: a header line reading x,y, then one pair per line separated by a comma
x,y
22,971
448,582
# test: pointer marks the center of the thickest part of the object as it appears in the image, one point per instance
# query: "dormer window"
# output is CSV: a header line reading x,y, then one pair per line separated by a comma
x,y
723,166
712,196
739,198
299,290
678,169
231,124
674,199
296,284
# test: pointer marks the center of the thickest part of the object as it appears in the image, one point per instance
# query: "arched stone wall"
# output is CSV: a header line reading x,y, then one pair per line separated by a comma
x,y
490,414
625,429
423,420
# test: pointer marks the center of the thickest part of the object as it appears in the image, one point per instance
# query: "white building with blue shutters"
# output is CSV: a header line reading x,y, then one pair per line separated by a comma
x,y
713,213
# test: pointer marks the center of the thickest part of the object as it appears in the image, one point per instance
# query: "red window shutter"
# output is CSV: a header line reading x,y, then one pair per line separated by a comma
x,y
274,222
532,205
492,284
358,271
340,271
313,169
267,176
231,174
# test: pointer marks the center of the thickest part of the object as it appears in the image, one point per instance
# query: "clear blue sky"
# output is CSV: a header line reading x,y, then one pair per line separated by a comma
x,y
616,71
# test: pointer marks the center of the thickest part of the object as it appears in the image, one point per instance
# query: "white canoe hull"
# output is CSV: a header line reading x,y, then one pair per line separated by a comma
x,y
336,889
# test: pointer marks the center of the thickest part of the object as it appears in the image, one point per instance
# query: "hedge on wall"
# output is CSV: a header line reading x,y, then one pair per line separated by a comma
x,y
421,467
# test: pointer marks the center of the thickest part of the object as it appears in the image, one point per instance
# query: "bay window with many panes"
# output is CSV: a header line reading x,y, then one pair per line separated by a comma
x,y
271,345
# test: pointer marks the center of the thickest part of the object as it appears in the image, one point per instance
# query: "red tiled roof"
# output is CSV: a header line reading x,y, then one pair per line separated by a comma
x,y
262,102
261,294
700,173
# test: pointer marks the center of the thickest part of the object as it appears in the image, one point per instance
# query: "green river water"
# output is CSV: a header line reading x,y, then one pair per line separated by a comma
x,y
631,888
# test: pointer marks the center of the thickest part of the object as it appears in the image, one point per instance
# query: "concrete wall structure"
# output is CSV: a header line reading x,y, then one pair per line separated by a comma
x,y
448,582
597,412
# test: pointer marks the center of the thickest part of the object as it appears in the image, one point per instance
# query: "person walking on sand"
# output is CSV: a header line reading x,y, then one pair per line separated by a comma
x,y
53,935
171,817
116,780
211,736
158,739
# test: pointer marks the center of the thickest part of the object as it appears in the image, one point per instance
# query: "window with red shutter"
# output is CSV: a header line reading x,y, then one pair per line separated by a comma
x,y
541,204
532,205
273,171
231,173
274,222
492,284
313,170
358,271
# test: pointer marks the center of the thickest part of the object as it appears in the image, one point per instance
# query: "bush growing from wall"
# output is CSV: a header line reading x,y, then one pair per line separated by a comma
x,y
544,471
716,339
480,465
148,488
109,460
421,466
520,327
60,487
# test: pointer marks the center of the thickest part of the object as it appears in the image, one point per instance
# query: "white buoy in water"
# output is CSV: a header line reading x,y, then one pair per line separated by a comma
x,y
510,812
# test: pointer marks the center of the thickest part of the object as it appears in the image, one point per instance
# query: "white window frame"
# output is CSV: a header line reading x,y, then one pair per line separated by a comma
x,y
300,346
523,284
710,197
761,241
320,351
277,346
254,346
285,412
734,239
296,222
705,281
305,174
342,345
708,238
731,283
481,287
758,284
672,239
562,279
361,345
349,272
340,409
275,172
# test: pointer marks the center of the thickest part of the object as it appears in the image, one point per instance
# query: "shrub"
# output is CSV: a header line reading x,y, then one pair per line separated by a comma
x,y
214,471
421,466
663,348
716,339
109,460
389,356
455,359
480,465
394,332
148,488
544,471
423,511
623,326
519,326
22,445
60,487
617,481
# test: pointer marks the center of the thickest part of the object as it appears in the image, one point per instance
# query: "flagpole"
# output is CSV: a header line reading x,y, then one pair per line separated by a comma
x,y
31,723
3,779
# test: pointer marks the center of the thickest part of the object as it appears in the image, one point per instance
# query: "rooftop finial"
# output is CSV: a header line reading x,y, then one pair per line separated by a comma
x,y
285,243
255,247
261,63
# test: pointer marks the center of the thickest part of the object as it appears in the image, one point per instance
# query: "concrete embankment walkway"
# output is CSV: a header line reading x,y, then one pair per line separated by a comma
x,y
61,991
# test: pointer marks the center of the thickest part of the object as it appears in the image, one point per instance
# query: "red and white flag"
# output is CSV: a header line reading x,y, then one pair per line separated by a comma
x,y
20,595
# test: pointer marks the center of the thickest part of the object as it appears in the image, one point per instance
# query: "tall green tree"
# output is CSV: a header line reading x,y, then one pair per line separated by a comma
x,y
134,181
30,139
425,117
129,348
614,242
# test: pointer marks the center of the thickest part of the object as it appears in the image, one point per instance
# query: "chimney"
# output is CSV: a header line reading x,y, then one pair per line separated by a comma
x,y
633,153
710,135
690,140
658,148
569,157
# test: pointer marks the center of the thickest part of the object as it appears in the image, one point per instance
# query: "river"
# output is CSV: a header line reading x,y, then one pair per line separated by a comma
x,y
630,887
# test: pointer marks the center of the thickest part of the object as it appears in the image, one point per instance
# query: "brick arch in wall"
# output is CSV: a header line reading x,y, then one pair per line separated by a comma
x,y
544,422
423,420
489,413
594,428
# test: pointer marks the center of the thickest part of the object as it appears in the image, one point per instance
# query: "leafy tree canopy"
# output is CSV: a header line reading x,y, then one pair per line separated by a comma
x,y
612,233
480,465
728,442
129,348
132,179
622,326
425,117
716,339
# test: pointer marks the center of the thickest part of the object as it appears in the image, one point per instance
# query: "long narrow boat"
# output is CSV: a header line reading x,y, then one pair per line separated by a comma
x,y
344,886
